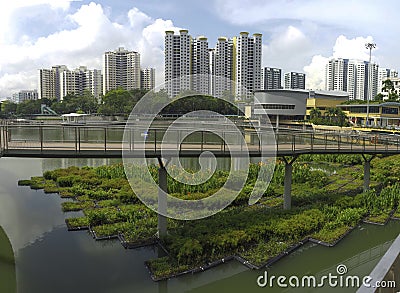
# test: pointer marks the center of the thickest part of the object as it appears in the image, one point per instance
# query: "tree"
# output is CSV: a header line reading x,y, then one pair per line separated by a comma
x,y
315,113
330,113
378,98
120,101
8,108
388,87
342,117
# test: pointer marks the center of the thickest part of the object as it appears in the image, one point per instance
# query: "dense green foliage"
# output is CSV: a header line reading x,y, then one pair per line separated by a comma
x,y
326,206
120,102
331,116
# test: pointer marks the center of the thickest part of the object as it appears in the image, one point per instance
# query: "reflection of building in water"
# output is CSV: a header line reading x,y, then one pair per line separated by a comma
x,y
51,164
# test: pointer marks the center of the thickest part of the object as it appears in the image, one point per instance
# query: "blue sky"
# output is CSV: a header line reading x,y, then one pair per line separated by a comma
x,y
298,35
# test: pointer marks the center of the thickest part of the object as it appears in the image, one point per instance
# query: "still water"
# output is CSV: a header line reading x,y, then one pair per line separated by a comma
x,y
51,259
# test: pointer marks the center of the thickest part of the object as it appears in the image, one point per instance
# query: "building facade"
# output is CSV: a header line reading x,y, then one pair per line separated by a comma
x,y
295,80
336,75
384,74
27,95
49,82
222,67
121,69
271,78
79,81
200,65
359,78
234,64
147,78
178,63
247,67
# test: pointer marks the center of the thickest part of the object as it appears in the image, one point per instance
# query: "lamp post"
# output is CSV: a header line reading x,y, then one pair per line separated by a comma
x,y
369,46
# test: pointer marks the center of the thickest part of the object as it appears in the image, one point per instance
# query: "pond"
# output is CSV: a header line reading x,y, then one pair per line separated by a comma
x,y
51,259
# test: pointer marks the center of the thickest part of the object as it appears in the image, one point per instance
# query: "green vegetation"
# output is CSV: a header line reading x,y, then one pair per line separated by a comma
x,y
331,116
119,102
327,204
8,281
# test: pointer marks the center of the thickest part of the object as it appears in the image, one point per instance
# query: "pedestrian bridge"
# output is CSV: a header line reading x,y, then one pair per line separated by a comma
x,y
87,141
44,141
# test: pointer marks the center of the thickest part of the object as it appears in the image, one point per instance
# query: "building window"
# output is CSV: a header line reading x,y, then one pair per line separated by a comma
x,y
276,106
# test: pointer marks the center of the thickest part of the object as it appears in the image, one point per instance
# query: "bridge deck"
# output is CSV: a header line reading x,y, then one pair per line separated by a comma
x,y
74,142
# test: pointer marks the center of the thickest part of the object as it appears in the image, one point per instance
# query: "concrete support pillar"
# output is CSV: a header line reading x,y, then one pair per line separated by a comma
x,y
367,171
162,200
367,167
277,122
287,191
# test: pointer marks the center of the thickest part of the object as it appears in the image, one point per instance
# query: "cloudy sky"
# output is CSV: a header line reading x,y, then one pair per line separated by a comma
x,y
298,35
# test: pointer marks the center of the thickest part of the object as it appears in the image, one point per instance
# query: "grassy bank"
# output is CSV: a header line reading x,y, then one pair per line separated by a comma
x,y
7,265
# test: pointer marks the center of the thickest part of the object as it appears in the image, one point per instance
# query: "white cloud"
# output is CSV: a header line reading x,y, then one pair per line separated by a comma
x,y
287,49
344,48
93,33
352,48
137,18
315,73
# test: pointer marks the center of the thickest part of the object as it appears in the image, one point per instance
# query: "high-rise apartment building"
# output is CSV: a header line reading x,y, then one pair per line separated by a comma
x,y
233,61
121,69
147,78
247,67
177,62
295,80
59,81
26,95
384,74
80,80
359,78
271,78
336,74
49,82
371,75
200,65
221,67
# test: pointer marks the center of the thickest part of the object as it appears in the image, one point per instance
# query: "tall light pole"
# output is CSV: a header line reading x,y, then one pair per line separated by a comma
x,y
369,46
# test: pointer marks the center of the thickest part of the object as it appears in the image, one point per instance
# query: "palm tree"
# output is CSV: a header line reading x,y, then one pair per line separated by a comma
x,y
342,117
330,113
315,113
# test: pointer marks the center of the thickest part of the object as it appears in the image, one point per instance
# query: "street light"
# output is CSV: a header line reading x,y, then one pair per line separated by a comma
x,y
369,46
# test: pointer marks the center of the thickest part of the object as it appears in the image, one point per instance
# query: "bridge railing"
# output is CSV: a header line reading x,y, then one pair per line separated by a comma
x,y
111,138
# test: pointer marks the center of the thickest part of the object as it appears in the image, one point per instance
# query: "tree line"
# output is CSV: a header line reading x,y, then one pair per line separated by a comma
x,y
118,102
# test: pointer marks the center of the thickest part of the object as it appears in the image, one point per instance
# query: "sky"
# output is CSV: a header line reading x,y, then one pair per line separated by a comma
x,y
298,35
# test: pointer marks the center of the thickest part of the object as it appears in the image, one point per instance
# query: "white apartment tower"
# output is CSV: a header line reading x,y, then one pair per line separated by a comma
x,y
336,75
372,87
147,78
80,80
49,82
178,64
384,74
248,51
359,78
26,95
221,67
121,69
200,65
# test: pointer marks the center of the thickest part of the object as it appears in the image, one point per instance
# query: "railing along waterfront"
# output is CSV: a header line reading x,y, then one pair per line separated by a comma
x,y
80,140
